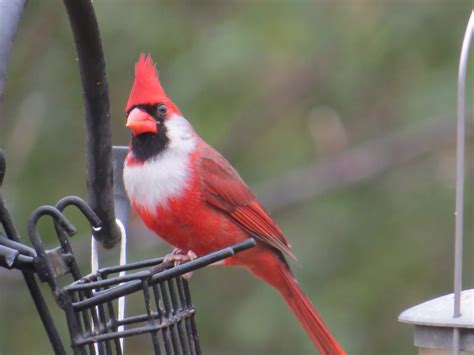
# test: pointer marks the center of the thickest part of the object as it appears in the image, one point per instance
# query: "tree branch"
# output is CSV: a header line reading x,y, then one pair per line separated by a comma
x,y
354,165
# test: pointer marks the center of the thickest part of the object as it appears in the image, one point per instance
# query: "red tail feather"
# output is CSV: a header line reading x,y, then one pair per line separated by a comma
x,y
308,317
272,269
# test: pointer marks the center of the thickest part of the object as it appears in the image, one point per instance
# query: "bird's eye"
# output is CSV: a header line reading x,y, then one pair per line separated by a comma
x,y
162,110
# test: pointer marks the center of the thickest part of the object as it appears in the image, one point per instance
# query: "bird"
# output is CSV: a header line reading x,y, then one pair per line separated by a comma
x,y
189,195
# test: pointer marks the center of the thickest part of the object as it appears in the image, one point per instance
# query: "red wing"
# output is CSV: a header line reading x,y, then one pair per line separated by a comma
x,y
224,189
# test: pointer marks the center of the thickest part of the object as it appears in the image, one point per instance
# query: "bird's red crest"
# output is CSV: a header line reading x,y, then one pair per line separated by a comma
x,y
147,89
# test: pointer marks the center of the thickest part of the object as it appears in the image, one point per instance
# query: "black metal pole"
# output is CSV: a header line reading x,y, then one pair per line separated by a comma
x,y
10,15
97,113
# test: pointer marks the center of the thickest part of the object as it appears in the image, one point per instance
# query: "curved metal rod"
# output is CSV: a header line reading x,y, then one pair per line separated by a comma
x,y
97,113
63,239
10,15
58,217
83,207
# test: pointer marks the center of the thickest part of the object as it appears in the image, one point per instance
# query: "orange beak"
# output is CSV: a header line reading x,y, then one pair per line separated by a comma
x,y
141,122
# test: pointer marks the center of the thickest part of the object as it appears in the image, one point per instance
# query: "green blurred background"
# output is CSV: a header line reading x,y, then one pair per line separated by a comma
x,y
340,115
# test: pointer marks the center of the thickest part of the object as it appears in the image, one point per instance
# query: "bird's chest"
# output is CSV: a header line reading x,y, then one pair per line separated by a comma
x,y
169,200
153,184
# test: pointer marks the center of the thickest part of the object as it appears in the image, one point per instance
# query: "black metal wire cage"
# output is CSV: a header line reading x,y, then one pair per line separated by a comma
x,y
166,317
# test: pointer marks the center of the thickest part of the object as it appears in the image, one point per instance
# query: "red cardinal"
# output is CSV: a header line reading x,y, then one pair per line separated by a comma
x,y
189,195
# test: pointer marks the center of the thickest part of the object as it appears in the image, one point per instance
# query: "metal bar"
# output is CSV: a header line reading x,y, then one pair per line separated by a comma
x,y
128,332
97,114
74,325
133,286
114,327
143,317
150,318
130,266
159,310
103,327
43,311
96,323
461,127
10,15
169,315
460,161
22,248
172,286
197,345
140,275
187,322
12,259
87,324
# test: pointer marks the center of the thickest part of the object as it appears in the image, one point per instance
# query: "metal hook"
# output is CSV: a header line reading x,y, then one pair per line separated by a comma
x,y
58,217
86,210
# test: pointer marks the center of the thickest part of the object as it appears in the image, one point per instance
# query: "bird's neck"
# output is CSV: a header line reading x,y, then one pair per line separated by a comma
x,y
148,145
175,137
166,172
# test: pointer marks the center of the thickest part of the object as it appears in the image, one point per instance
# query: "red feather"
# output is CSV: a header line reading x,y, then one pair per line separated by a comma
x,y
147,89
224,189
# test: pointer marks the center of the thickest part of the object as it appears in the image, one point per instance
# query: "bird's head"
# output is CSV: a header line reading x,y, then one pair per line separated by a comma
x,y
155,121
148,106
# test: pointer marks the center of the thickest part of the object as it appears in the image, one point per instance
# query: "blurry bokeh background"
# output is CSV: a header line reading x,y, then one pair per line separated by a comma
x,y
340,116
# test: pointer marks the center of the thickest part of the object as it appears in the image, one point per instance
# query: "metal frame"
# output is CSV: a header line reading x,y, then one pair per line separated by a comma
x,y
89,302
97,115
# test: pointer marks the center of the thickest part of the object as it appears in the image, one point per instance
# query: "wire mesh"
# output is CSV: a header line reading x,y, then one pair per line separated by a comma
x,y
167,315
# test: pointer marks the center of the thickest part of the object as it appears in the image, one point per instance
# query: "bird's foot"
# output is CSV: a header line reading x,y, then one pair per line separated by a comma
x,y
177,257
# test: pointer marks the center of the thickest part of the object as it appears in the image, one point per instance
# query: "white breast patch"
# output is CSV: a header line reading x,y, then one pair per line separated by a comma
x,y
164,176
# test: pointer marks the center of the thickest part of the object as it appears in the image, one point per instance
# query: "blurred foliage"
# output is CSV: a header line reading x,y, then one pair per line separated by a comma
x,y
267,83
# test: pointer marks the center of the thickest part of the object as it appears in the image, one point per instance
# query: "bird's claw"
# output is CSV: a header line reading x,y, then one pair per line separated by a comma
x,y
177,257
